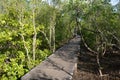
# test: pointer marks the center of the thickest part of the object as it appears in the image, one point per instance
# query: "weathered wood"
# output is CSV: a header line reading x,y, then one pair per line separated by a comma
x,y
58,66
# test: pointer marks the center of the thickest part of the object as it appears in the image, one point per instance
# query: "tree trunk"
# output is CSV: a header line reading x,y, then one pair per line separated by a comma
x,y
26,49
98,55
53,38
50,35
35,35
23,38
99,66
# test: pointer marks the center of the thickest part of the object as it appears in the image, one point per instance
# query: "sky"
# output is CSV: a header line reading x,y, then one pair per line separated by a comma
x,y
114,2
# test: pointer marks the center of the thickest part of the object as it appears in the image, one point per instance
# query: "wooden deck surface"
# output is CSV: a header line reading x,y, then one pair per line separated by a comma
x,y
58,66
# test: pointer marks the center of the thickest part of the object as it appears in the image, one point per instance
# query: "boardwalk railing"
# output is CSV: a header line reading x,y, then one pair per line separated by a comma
x,y
59,66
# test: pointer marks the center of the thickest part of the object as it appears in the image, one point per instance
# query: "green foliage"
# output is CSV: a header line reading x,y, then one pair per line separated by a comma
x,y
53,23
16,39
100,26
13,68
17,33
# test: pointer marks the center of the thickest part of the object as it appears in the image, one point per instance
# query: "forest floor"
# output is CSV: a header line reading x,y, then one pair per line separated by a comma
x,y
88,69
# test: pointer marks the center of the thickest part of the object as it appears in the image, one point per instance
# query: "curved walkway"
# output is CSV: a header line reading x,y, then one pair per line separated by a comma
x,y
59,66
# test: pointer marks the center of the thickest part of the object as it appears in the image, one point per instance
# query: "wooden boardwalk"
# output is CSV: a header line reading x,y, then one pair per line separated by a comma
x,y
59,66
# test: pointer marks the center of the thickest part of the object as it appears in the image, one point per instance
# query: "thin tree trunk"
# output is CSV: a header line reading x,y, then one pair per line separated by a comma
x,y
99,66
54,39
52,33
98,56
46,38
50,37
23,38
26,49
35,35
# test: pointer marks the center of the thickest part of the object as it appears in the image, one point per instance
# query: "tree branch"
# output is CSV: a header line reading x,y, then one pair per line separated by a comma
x,y
27,52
